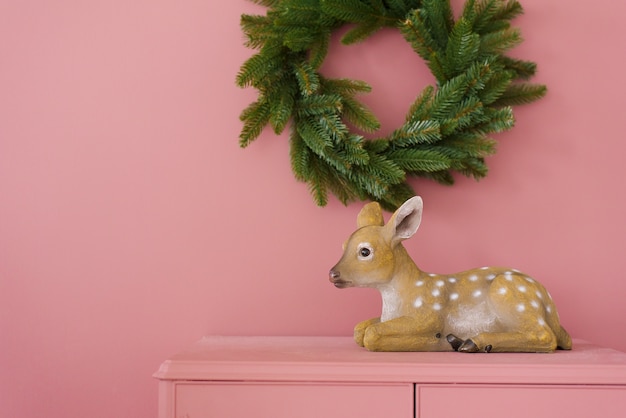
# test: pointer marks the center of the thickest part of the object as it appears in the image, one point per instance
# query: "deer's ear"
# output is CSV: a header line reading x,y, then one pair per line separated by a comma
x,y
405,221
371,214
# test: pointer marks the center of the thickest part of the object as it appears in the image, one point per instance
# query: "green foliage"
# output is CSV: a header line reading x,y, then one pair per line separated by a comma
x,y
447,128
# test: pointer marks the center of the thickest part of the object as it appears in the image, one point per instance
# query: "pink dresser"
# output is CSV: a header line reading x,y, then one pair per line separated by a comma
x,y
331,377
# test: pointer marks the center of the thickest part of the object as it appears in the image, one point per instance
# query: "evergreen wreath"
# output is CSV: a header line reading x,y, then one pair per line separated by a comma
x,y
447,128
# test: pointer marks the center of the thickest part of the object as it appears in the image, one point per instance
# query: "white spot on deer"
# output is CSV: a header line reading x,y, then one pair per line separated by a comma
x,y
418,303
520,307
502,290
508,276
419,283
437,306
454,296
521,288
549,309
433,274
541,321
452,279
530,279
491,276
534,304
484,268
477,293
440,283
473,278
436,292
539,295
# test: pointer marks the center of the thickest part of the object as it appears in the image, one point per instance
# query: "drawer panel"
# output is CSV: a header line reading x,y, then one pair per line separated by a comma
x,y
293,400
480,401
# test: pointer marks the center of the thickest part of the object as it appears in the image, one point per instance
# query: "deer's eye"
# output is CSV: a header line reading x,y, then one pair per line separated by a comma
x,y
365,252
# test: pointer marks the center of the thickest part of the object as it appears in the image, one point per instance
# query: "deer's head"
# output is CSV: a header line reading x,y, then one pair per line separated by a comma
x,y
370,254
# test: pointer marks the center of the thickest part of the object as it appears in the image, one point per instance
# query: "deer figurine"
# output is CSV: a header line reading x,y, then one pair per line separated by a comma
x,y
487,309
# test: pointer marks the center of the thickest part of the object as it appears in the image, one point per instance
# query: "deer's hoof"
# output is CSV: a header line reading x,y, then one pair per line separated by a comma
x,y
469,346
454,341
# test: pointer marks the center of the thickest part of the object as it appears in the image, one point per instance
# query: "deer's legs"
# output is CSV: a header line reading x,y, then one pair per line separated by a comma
x,y
455,342
403,334
535,340
359,330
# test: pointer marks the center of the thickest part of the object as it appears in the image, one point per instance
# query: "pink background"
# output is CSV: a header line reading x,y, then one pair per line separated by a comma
x,y
132,224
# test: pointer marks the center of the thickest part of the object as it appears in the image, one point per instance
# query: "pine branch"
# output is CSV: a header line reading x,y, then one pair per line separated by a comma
x,y
521,93
416,32
352,110
353,150
495,86
319,104
509,10
298,13
498,120
438,20
300,156
307,77
448,96
523,69
377,146
299,38
478,74
267,3
491,15
480,14
343,188
472,167
319,49
314,137
283,104
478,146
337,159
376,177
355,11
421,107
359,115
497,43
398,8
416,132
468,112
419,160
345,86
332,124
254,117
268,63
318,181
462,48
256,30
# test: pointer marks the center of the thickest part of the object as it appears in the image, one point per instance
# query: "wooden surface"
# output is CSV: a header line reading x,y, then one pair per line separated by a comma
x,y
339,359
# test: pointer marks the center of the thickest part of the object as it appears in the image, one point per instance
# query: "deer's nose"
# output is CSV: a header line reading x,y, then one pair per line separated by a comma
x,y
333,275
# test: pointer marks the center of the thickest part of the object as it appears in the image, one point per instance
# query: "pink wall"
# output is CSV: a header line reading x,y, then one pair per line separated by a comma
x,y
131,224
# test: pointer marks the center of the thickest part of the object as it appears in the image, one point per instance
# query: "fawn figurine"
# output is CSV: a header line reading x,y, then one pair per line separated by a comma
x,y
488,309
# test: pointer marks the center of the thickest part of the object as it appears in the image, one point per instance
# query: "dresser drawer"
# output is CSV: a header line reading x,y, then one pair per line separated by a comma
x,y
518,401
293,400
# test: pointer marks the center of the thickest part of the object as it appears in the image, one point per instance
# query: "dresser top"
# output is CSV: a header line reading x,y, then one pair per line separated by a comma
x,y
339,359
